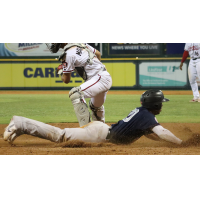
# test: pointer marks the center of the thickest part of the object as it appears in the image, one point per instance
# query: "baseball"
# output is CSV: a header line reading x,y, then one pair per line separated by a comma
x,y
60,71
136,57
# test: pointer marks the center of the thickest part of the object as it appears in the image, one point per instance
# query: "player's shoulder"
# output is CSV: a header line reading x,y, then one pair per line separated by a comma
x,y
188,44
71,51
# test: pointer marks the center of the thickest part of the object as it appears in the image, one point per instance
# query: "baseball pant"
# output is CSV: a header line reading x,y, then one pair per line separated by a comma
x,y
194,72
92,132
96,88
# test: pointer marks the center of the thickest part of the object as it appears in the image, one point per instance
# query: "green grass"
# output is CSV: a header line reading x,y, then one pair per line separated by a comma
x,y
58,108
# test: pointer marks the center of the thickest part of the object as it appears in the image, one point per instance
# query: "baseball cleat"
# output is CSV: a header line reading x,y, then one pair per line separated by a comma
x,y
10,132
194,100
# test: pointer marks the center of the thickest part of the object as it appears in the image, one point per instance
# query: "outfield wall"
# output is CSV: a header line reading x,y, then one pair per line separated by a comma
x,y
127,74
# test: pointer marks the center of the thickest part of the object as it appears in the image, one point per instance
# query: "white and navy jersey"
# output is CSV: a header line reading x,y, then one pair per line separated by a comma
x,y
139,122
193,49
77,58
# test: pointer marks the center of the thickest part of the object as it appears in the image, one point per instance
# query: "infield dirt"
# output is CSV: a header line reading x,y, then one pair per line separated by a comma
x,y
28,145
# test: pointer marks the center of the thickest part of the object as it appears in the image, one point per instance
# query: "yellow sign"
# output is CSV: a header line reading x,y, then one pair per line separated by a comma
x,y
123,73
26,74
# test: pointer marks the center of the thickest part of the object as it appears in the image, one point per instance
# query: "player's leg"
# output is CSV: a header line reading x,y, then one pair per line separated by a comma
x,y
97,108
10,132
192,73
80,106
92,132
100,83
96,89
21,125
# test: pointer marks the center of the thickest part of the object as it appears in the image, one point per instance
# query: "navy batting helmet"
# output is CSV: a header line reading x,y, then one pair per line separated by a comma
x,y
152,99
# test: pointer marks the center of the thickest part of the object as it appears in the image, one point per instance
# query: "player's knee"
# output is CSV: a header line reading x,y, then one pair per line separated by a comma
x,y
192,81
75,93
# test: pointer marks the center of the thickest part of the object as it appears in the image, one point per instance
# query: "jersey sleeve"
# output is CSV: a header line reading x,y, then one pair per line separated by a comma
x,y
152,121
185,55
69,67
186,47
93,50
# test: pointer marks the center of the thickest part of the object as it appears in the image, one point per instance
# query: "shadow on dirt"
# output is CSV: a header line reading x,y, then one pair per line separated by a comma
x,y
81,144
193,141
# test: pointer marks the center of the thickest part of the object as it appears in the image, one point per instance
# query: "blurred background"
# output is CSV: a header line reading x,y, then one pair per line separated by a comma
x,y
133,66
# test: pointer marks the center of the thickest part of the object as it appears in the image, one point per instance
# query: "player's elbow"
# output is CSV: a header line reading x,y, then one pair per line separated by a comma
x,y
66,82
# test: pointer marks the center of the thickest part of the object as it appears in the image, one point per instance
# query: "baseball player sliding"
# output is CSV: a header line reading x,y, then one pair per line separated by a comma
x,y
193,49
140,121
86,61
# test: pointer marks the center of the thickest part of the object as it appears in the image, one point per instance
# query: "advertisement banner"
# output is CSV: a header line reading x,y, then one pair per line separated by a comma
x,y
123,73
43,74
25,49
124,49
162,74
24,74
33,49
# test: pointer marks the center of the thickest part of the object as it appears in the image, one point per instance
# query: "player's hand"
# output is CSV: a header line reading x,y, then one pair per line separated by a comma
x,y
60,68
181,65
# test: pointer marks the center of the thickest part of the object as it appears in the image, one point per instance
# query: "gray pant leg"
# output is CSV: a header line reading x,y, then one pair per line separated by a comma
x,y
38,129
92,132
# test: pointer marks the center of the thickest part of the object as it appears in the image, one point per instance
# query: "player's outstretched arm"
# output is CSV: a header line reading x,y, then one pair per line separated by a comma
x,y
95,51
98,55
185,55
166,135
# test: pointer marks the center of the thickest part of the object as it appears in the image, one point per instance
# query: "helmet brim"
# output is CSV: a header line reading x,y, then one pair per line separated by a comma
x,y
165,100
